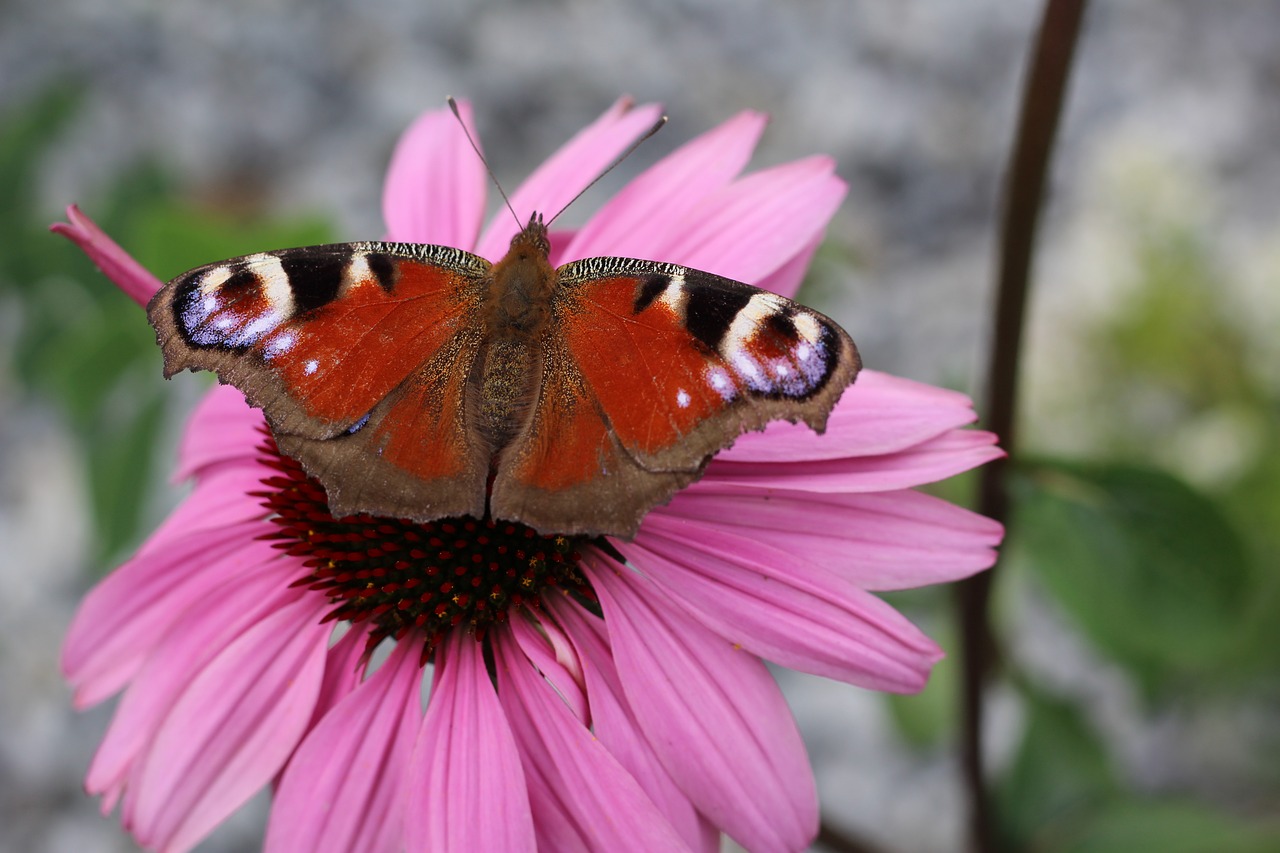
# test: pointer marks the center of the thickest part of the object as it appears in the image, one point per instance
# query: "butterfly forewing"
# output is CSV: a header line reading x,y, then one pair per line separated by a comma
x,y
664,366
328,341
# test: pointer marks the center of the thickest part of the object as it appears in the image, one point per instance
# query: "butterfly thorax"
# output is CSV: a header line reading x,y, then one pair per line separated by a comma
x,y
516,314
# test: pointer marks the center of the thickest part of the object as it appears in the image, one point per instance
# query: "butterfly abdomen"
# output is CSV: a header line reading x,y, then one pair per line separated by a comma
x,y
503,388
516,314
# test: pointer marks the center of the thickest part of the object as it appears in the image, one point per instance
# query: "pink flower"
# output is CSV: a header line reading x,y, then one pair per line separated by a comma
x,y
617,707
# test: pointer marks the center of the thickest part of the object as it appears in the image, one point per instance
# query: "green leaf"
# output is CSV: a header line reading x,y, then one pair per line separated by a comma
x,y
1149,568
1060,775
1171,827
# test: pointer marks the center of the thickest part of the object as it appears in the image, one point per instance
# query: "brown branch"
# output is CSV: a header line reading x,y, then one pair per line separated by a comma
x,y
1042,98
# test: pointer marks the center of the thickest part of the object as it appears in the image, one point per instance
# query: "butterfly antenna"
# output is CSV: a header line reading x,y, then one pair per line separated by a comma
x,y
657,126
453,105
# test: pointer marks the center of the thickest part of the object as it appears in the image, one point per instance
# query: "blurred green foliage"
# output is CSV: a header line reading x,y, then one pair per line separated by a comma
x,y
1161,548
76,341
1150,569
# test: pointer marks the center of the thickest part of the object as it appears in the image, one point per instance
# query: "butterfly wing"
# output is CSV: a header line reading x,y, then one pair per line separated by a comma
x,y
650,369
359,356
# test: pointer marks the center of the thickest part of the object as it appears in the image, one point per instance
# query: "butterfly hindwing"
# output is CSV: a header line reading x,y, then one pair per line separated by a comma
x,y
357,353
652,368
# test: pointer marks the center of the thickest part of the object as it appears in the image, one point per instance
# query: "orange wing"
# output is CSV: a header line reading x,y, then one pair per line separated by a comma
x,y
359,356
649,370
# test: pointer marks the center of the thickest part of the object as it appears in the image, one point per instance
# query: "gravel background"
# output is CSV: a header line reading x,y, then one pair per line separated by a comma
x,y
297,105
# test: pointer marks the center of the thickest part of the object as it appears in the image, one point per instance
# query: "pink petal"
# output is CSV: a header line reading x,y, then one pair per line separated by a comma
x,y
344,668
435,187
786,279
877,541
928,462
615,724
223,614
231,730
220,500
123,617
560,239
756,225
780,606
466,788
223,428
129,275
567,680
713,714
582,798
635,222
578,162
879,414
344,788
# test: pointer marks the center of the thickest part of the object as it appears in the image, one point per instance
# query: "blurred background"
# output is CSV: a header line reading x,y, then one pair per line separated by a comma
x,y
1135,613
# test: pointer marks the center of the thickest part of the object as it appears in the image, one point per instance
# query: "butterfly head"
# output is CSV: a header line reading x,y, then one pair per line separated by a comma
x,y
532,240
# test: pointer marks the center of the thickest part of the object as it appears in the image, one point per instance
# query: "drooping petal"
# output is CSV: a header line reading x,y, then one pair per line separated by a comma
x,y
927,462
752,227
435,187
204,631
615,725
231,730
563,175
582,798
713,714
635,223
879,414
780,606
466,789
115,263
344,788
223,428
876,541
122,618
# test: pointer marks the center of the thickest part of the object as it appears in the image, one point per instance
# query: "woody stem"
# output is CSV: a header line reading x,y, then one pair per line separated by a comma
x,y
1051,59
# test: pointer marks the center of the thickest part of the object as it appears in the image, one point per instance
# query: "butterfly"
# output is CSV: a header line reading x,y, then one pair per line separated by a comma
x,y
422,382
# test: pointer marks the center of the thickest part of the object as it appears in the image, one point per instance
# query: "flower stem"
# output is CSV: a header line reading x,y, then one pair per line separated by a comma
x,y
1050,66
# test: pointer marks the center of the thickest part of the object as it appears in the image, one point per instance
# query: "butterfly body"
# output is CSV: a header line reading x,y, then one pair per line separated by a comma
x,y
422,382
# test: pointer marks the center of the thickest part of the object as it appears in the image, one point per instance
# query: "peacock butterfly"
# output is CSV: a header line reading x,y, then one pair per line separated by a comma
x,y
422,382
